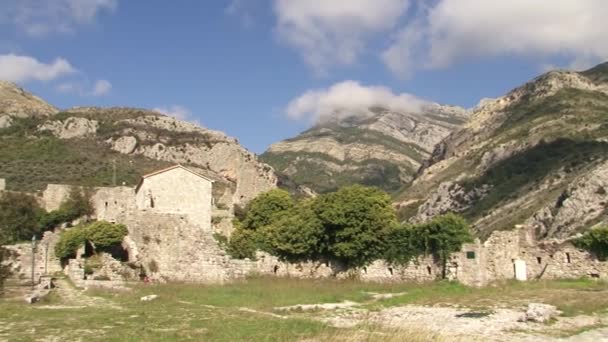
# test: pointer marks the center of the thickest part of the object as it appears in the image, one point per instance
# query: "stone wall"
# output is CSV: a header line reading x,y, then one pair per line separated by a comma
x,y
54,195
177,191
20,261
2,184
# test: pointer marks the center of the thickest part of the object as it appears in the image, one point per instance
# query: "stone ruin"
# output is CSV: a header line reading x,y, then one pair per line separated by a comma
x,y
170,218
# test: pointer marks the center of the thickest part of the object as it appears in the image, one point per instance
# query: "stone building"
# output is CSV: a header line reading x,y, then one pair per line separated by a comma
x,y
177,190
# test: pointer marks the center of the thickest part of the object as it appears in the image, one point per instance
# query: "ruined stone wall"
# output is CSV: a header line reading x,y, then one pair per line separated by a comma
x,y
177,191
20,261
112,204
54,195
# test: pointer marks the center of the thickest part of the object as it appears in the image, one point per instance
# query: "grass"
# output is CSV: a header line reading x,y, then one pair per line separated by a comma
x,y
215,313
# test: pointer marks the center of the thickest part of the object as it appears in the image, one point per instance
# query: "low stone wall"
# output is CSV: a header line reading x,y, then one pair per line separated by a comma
x,y
20,259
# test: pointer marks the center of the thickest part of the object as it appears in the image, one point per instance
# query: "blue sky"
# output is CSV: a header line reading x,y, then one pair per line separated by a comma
x,y
239,66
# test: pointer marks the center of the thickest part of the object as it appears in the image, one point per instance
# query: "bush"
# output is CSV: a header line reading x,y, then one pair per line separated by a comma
x,y
69,242
595,241
4,269
103,235
19,216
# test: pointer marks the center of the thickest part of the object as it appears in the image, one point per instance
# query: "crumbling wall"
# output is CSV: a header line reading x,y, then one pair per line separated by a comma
x,y
54,195
20,258
113,204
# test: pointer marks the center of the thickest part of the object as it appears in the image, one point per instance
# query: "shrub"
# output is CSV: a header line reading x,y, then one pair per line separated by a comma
x,y
103,235
4,269
595,241
69,242
19,216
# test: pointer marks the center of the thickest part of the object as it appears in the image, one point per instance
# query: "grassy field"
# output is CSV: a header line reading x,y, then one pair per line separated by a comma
x,y
246,311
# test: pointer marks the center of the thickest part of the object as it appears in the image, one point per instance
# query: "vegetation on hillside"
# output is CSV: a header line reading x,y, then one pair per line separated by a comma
x,y
595,241
29,160
525,170
354,226
311,168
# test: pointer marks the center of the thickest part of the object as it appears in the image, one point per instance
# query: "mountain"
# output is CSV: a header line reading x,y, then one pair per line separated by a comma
x,y
536,156
105,146
381,147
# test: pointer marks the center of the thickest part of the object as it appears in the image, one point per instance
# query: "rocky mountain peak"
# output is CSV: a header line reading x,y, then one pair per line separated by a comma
x,y
16,102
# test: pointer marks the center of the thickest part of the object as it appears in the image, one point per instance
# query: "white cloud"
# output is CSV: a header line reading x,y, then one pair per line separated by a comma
x,y
83,88
101,87
328,33
18,68
178,112
39,17
350,98
455,30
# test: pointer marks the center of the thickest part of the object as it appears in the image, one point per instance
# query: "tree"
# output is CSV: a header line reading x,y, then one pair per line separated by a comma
x,y
242,244
263,209
19,216
400,246
595,241
78,204
296,234
355,220
442,236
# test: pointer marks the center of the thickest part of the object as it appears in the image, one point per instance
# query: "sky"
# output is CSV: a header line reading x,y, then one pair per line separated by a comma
x,y
265,70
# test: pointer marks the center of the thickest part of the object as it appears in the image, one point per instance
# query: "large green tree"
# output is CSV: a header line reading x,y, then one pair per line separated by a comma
x,y
19,217
442,236
355,220
262,210
296,234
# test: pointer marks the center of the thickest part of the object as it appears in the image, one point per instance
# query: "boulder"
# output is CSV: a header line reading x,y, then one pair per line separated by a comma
x,y
540,313
148,298
125,145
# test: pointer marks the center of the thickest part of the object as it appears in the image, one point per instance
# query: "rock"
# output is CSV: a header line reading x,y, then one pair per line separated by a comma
x,y
125,145
148,298
72,127
17,102
5,121
540,313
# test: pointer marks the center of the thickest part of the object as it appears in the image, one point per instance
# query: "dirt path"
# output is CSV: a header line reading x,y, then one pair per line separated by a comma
x,y
73,298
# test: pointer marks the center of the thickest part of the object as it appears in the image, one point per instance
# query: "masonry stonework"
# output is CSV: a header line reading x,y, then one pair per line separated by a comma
x,y
169,219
